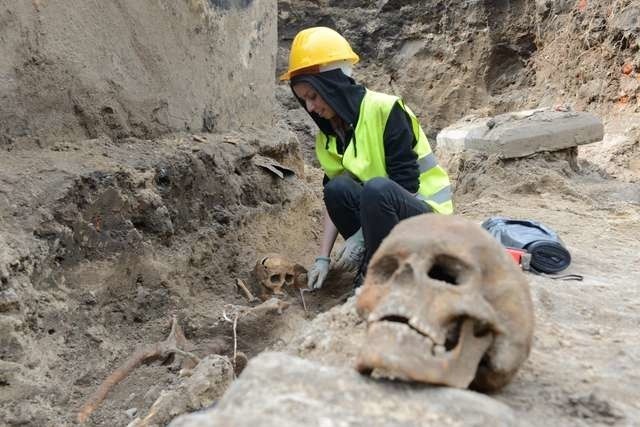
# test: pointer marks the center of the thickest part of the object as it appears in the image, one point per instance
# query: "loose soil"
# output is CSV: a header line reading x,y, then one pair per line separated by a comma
x,y
102,240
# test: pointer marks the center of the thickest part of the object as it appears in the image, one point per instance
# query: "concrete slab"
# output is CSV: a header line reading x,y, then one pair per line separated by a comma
x,y
522,133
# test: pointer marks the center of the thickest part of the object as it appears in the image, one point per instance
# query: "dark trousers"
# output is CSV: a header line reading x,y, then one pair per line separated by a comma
x,y
376,206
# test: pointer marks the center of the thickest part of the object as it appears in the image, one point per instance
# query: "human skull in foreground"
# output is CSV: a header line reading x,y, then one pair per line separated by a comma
x,y
276,274
445,304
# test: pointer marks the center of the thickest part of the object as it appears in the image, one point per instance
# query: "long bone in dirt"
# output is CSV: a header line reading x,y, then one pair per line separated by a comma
x,y
176,343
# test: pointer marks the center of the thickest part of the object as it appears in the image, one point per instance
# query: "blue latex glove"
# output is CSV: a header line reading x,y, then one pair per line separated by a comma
x,y
349,257
318,272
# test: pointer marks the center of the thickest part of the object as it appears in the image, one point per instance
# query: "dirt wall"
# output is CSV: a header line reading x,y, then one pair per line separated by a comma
x,y
451,58
77,69
101,242
445,58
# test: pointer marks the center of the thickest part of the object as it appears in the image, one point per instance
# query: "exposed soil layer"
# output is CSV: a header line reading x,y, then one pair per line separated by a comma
x,y
102,240
103,244
451,58
583,368
77,70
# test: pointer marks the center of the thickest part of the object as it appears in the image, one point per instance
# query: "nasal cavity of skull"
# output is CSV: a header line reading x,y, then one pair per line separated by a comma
x,y
446,268
453,334
288,279
454,328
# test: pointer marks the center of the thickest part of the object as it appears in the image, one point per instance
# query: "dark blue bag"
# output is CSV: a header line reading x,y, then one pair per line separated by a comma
x,y
548,253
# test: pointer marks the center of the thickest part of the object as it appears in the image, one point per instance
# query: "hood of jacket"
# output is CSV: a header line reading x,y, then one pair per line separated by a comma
x,y
339,91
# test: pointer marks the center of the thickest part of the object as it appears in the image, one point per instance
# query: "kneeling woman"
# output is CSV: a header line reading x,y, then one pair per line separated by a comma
x,y
379,168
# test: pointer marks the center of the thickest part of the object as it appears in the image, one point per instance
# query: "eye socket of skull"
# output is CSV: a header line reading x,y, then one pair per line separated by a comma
x,y
275,279
385,267
445,307
288,279
448,269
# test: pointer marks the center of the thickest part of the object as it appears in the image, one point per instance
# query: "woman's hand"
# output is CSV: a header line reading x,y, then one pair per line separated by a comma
x,y
349,257
318,272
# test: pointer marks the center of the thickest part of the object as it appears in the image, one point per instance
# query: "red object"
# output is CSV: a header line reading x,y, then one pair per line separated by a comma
x,y
521,257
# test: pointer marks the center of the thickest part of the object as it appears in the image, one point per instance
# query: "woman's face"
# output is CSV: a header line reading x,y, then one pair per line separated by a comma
x,y
313,101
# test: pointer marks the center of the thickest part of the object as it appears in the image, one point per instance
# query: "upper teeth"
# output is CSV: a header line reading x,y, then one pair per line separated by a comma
x,y
426,329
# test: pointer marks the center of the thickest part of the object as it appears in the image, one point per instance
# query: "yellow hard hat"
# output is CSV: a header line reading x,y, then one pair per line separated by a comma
x,y
317,46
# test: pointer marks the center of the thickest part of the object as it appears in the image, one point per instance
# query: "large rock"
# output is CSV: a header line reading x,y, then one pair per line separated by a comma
x,y
78,69
280,390
522,133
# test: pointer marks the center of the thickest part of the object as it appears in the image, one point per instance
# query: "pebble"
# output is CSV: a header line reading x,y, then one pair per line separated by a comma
x,y
131,412
9,300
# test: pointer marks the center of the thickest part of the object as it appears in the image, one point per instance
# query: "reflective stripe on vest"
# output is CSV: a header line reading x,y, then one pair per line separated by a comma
x,y
369,160
442,196
427,162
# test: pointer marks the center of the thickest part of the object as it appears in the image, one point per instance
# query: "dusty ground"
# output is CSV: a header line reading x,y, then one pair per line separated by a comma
x,y
85,306
584,365
583,369
102,240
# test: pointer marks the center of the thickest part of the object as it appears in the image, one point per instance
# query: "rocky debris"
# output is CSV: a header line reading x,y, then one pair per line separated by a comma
x,y
203,386
593,408
9,300
522,133
101,241
280,390
153,214
548,8
628,21
334,338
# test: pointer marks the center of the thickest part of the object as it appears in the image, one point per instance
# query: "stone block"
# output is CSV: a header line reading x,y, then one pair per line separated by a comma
x,y
281,390
522,133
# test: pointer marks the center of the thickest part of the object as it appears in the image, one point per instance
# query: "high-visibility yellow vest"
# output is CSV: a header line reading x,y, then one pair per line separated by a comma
x,y
435,188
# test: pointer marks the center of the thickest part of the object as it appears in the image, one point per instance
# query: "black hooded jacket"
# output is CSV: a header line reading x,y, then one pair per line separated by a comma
x,y
344,96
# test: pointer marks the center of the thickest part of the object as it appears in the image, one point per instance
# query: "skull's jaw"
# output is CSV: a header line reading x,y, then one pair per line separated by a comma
x,y
396,350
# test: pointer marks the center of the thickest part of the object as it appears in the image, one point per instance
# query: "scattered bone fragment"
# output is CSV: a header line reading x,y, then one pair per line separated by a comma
x,y
176,343
444,304
245,291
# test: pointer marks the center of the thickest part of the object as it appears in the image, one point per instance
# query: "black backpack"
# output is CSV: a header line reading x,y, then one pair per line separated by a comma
x,y
548,253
